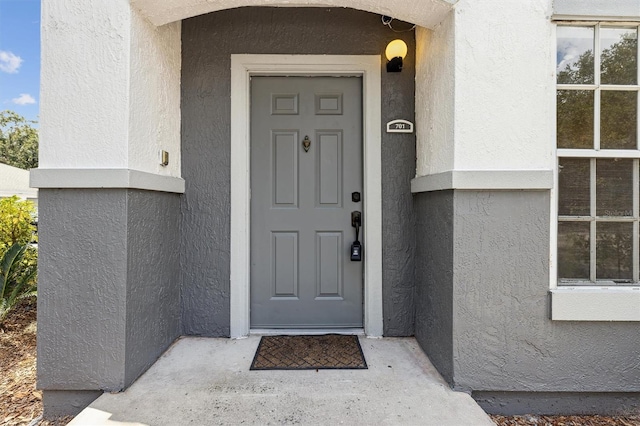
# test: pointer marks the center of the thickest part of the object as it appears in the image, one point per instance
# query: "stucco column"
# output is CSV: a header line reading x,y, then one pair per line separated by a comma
x,y
110,89
484,119
484,200
109,282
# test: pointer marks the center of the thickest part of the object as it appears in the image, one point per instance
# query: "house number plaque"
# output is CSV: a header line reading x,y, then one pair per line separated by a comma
x,y
399,126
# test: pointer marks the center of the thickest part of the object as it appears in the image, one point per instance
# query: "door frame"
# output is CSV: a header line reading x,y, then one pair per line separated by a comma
x,y
243,66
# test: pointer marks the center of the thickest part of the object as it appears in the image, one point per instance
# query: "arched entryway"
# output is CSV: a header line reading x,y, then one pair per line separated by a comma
x,y
426,13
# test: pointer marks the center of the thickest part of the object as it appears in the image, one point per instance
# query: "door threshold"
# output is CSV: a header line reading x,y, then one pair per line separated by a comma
x,y
305,331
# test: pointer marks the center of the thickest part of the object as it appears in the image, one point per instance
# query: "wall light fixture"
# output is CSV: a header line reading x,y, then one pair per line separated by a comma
x,y
396,51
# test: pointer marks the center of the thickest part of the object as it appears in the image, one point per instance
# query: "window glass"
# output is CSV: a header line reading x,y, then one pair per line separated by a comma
x,y
574,57
618,55
614,251
575,119
598,188
618,119
573,183
573,250
614,187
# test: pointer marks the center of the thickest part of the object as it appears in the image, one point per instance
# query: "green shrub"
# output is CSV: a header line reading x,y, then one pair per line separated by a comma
x,y
18,278
16,222
18,258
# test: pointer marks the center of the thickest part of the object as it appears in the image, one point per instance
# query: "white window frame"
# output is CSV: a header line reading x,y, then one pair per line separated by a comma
x,y
600,300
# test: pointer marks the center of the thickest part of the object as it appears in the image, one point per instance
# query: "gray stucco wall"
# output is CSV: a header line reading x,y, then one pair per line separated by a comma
x,y
504,339
560,403
108,289
207,44
82,289
434,278
153,278
489,272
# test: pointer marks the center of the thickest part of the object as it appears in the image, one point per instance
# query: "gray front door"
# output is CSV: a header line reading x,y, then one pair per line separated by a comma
x,y
301,201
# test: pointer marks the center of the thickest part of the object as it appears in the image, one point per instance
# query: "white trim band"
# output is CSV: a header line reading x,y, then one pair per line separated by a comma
x,y
595,304
105,178
484,180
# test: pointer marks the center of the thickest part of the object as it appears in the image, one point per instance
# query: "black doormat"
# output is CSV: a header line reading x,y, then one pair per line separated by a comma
x,y
329,351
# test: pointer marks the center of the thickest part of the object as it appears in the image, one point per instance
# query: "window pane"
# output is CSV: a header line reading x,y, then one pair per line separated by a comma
x,y
575,119
619,55
574,184
614,187
614,251
618,122
573,250
574,57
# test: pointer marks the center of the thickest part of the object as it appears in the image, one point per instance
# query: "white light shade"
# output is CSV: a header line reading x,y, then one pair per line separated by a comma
x,y
396,48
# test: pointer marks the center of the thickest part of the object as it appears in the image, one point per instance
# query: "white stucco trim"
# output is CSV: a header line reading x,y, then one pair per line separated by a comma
x,y
607,10
427,13
484,180
242,68
105,178
111,98
595,304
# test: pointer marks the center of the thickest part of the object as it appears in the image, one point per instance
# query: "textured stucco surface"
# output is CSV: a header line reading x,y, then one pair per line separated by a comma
x,y
84,102
82,289
474,111
503,337
206,147
434,278
153,278
154,96
559,403
426,12
110,88
482,310
504,85
108,290
435,106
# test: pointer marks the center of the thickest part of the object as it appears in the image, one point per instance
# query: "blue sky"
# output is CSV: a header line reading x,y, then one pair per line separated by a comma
x,y
20,57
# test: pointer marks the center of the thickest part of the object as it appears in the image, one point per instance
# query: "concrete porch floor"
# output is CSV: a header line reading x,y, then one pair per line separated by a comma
x,y
203,381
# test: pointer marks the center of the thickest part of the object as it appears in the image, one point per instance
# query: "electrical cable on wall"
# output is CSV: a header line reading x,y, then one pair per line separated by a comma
x,y
387,20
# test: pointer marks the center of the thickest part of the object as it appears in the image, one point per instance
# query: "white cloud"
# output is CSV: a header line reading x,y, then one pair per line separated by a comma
x,y
9,62
572,43
24,99
570,50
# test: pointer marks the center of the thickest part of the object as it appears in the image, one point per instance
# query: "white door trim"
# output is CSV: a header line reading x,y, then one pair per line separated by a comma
x,y
242,68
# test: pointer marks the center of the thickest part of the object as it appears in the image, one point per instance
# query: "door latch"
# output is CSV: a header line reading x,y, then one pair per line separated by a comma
x,y
356,220
356,247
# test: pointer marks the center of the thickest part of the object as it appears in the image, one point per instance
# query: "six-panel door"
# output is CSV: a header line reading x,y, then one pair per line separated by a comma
x,y
306,161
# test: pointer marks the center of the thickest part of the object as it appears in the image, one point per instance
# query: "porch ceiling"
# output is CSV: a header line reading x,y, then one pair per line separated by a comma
x,y
426,13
